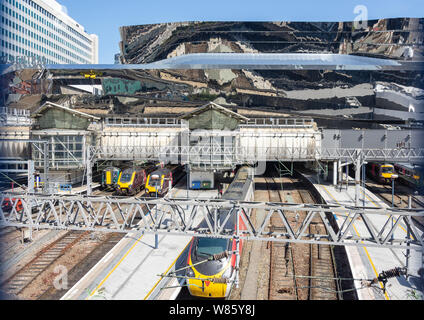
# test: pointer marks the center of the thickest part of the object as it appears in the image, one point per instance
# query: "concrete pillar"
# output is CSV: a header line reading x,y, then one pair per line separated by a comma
x,y
46,168
339,169
89,170
31,180
357,180
335,173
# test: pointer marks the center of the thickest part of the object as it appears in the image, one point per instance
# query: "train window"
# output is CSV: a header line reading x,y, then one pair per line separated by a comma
x,y
126,176
208,246
387,169
154,180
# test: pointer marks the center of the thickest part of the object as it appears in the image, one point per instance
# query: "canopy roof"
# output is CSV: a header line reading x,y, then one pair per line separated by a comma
x,y
258,61
212,116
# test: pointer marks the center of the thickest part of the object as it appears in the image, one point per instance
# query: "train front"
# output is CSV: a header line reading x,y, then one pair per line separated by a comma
x,y
211,271
110,177
125,181
154,183
387,170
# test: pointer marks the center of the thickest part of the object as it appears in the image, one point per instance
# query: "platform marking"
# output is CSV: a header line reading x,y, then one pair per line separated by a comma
x,y
114,268
365,249
169,266
119,262
400,225
167,271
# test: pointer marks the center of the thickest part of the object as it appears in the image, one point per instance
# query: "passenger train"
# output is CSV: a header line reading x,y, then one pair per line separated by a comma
x,y
211,262
110,177
132,180
159,182
410,175
381,172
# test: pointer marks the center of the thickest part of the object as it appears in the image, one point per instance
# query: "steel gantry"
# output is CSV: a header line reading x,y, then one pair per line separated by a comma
x,y
183,217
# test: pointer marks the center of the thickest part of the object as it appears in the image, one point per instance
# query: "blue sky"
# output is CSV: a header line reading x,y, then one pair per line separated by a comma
x,y
104,17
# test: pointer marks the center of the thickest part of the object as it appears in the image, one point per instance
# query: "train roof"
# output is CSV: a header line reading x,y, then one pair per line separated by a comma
x,y
408,166
111,168
161,171
237,188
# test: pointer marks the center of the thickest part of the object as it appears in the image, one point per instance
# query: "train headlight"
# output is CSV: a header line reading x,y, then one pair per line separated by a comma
x,y
190,273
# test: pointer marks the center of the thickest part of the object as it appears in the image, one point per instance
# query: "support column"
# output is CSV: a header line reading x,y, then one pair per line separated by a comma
x,y
31,180
89,171
46,168
237,238
339,169
335,173
357,180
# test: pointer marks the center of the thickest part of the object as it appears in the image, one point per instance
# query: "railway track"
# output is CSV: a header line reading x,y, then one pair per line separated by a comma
x,y
401,197
281,285
298,271
22,278
321,263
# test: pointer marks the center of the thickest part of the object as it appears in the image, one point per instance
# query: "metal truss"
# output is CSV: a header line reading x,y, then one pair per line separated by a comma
x,y
351,154
240,155
183,217
209,153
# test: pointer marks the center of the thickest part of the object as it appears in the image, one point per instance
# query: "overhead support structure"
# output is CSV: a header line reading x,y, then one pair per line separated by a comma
x,y
170,216
44,151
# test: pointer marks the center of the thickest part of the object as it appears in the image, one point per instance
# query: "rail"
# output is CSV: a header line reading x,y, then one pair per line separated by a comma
x,y
141,122
13,117
279,122
252,122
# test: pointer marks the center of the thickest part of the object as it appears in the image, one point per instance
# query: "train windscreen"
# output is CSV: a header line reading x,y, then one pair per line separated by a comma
x,y
126,175
154,180
387,169
208,247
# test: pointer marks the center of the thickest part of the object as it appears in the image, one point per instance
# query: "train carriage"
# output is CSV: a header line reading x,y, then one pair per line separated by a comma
x,y
110,177
212,262
379,172
132,180
410,175
160,181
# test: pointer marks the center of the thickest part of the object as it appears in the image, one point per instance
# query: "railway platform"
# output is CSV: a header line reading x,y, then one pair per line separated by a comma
x,y
131,269
369,262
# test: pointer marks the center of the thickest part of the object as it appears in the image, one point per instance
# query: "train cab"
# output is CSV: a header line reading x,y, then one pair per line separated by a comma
x,y
202,275
110,177
131,181
159,182
381,172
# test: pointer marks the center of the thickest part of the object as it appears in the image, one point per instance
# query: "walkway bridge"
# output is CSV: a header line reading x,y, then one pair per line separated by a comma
x,y
198,140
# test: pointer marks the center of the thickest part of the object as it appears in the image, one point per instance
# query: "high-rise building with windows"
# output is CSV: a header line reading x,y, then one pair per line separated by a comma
x,y
42,28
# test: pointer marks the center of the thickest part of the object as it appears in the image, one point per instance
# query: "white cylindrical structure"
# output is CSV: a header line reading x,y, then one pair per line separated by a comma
x,y
335,173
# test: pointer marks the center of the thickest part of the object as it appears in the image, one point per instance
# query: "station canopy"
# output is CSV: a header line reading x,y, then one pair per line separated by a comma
x,y
212,116
54,116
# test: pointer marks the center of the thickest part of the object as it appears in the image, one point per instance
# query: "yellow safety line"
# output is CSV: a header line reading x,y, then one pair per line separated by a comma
x,y
166,271
386,214
365,249
114,268
119,262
